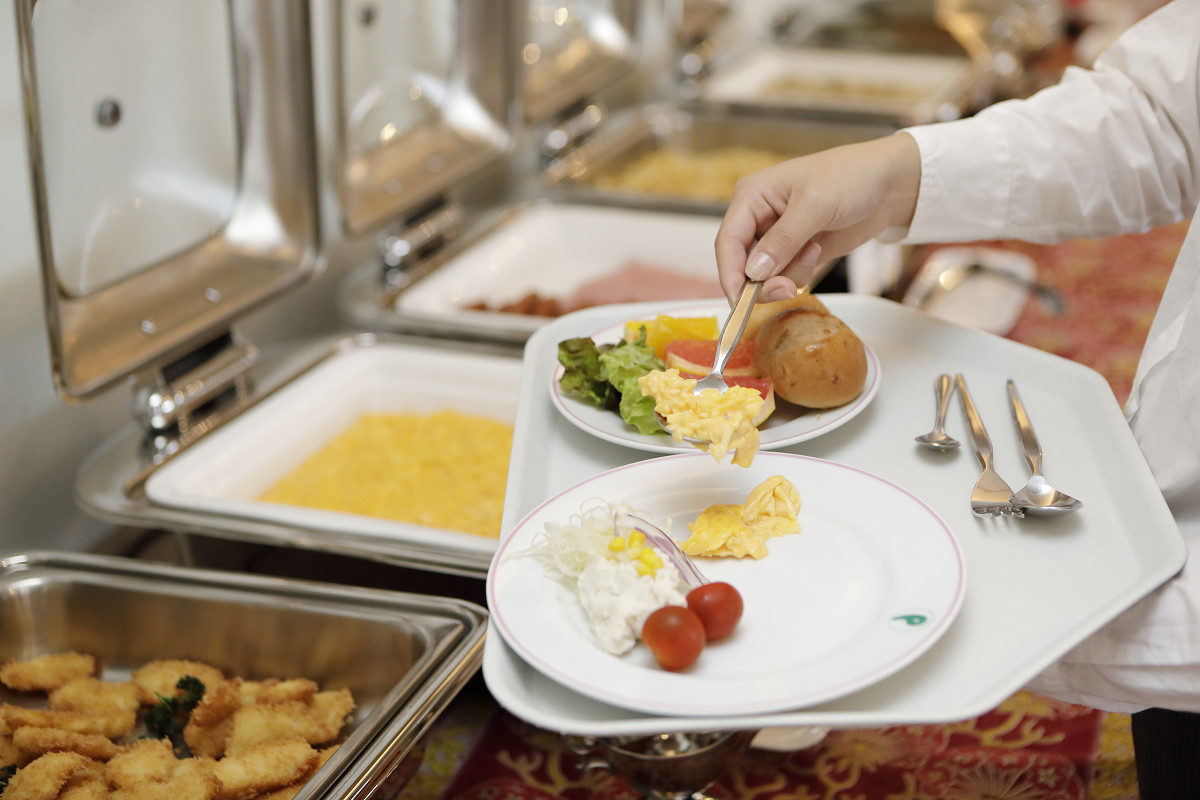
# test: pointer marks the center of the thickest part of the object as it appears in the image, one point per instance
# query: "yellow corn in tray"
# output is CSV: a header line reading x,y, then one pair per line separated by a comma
x,y
443,469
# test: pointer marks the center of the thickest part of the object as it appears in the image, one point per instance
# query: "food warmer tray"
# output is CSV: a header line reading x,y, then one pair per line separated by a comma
x,y
403,656
634,132
302,393
904,88
1038,586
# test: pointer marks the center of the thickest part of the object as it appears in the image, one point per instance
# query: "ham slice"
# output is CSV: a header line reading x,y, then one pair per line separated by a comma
x,y
638,281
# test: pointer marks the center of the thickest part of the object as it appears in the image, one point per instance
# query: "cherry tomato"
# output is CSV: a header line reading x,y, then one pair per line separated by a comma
x,y
675,635
719,607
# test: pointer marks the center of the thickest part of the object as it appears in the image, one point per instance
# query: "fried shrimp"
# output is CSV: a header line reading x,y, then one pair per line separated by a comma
x,y
145,760
45,673
264,768
87,783
44,777
110,725
189,779
34,741
159,678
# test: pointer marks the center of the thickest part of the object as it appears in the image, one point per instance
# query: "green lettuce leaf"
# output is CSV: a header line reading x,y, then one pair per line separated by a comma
x,y
625,363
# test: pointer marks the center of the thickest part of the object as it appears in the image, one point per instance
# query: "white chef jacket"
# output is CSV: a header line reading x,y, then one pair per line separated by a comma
x,y
1114,149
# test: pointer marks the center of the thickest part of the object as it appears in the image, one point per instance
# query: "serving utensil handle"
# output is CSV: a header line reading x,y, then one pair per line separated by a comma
x,y
735,324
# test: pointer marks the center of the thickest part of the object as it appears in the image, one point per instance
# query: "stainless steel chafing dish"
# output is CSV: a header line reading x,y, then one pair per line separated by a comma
x,y
637,132
403,656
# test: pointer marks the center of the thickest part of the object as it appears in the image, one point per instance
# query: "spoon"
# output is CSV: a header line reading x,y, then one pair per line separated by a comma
x,y
1037,496
731,334
938,439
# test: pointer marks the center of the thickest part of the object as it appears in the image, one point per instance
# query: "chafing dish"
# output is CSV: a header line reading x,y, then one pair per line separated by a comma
x,y
403,656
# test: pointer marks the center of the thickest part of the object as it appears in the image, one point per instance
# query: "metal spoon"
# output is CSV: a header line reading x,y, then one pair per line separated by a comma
x,y
938,439
1037,496
731,334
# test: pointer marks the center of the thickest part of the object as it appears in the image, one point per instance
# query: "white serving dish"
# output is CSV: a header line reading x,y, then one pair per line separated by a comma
x,y
224,473
553,250
906,87
1038,586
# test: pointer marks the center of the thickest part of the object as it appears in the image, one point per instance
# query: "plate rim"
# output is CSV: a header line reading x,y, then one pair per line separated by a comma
x,y
920,647
766,442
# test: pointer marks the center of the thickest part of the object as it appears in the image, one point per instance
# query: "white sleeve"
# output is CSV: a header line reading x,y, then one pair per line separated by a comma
x,y
1114,149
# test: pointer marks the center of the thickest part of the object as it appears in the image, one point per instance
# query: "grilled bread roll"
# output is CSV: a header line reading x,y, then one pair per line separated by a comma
x,y
764,311
812,358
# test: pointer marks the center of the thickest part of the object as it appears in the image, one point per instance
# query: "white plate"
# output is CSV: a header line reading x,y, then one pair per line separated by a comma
x,y
229,469
873,578
788,424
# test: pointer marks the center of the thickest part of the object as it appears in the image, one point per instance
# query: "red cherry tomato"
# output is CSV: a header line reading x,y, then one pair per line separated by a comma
x,y
675,635
719,607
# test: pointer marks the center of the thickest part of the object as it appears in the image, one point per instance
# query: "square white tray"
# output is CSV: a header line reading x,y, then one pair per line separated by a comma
x,y
1038,586
223,474
553,249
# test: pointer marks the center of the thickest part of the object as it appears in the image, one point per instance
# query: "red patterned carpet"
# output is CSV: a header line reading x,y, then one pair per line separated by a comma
x,y
1029,748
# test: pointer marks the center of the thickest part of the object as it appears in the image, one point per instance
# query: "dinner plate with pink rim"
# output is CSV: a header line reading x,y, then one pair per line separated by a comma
x,y
871,581
788,424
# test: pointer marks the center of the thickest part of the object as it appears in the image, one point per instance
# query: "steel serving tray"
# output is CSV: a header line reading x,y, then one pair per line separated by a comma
x,y
636,132
403,656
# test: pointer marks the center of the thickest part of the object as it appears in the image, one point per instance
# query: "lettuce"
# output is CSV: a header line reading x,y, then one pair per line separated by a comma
x,y
607,376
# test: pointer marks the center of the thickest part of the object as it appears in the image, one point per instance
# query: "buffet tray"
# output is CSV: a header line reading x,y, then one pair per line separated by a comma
x,y
304,395
1038,586
403,656
903,88
633,133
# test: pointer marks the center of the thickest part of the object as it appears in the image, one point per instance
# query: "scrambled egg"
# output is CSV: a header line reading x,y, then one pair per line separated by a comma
x,y
445,470
712,420
732,530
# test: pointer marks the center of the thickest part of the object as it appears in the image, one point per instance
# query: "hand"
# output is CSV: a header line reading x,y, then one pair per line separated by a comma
x,y
785,220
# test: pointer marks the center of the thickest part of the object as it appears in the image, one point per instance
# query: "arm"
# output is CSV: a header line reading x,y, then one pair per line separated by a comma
x,y
1115,149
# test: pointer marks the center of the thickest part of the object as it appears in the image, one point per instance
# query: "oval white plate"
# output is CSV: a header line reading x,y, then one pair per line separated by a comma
x,y
871,581
788,424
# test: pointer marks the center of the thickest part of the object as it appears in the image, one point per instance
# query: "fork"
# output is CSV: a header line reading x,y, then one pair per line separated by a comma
x,y
991,497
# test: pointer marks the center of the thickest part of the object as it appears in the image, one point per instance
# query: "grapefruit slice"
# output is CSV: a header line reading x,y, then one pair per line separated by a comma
x,y
761,385
696,356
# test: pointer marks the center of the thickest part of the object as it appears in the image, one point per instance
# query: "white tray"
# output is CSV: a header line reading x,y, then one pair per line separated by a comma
x,y
223,474
1038,586
553,250
903,86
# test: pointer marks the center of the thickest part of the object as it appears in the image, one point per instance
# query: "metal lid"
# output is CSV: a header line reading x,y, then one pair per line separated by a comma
x,y
172,160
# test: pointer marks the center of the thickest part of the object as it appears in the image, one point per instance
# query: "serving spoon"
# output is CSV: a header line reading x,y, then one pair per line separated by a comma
x,y
727,341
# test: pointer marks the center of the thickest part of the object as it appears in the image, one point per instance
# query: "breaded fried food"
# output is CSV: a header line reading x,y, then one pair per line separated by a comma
x,y
46,673
110,726
329,710
43,777
86,784
144,760
9,754
34,741
290,791
211,720
190,779
274,690
256,725
95,696
158,678
265,768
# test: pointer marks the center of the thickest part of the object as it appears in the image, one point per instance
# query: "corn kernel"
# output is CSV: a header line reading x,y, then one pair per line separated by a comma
x,y
634,551
616,544
637,537
650,559
642,569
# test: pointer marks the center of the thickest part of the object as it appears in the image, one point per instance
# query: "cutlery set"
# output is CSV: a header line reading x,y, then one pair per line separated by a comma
x,y
992,496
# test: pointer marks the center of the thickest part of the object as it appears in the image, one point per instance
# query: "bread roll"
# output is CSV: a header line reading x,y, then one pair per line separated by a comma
x,y
812,358
764,311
